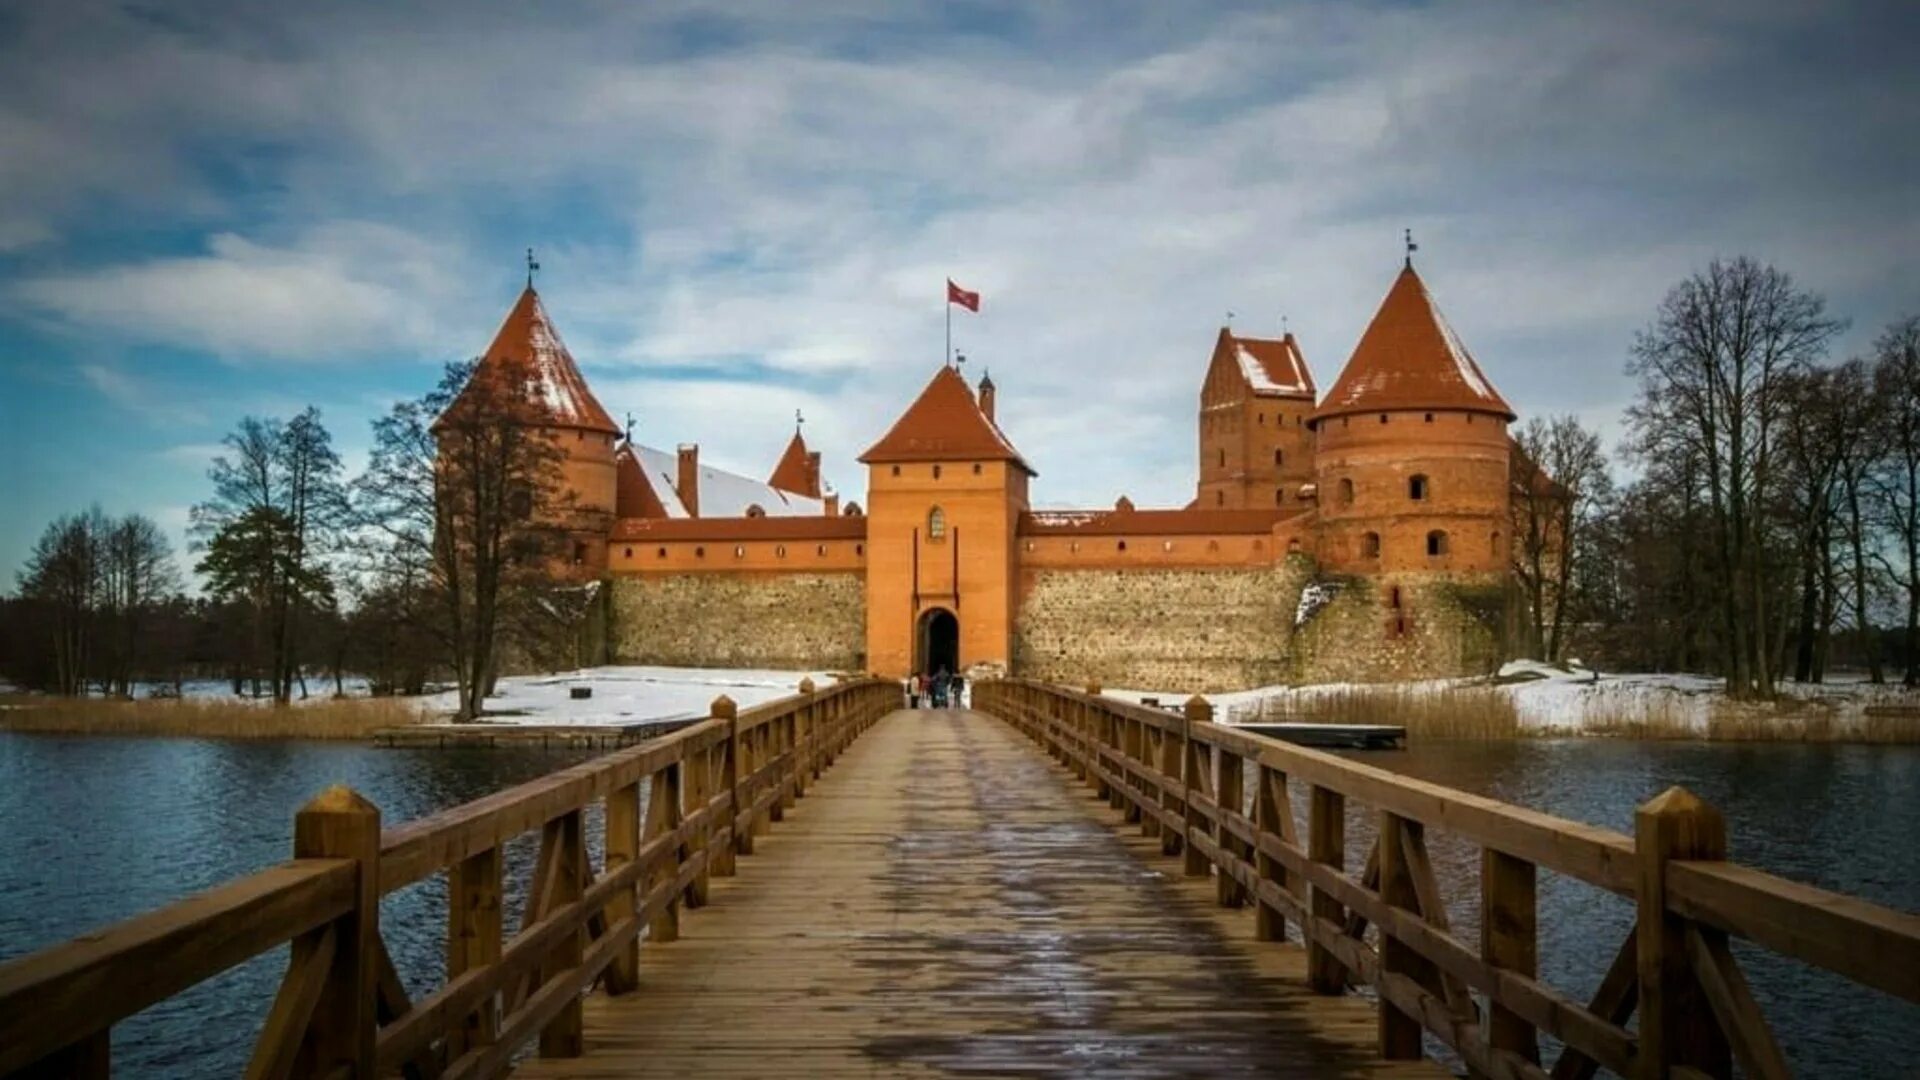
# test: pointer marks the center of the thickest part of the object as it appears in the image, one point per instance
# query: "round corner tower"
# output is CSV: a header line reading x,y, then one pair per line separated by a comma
x,y
564,410
1411,451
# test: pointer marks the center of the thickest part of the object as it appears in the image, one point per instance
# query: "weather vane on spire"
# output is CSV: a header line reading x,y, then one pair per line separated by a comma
x,y
959,358
1411,248
531,267
797,421
1284,331
629,427
1229,319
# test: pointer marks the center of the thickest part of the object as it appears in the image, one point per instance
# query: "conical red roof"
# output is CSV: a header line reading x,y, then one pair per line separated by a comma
x,y
528,345
944,424
792,474
1409,358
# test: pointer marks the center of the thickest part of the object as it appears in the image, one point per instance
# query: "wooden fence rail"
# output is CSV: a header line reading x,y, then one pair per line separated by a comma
x,y
1182,778
341,1010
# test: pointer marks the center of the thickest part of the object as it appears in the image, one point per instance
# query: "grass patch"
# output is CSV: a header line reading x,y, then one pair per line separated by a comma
x,y
338,718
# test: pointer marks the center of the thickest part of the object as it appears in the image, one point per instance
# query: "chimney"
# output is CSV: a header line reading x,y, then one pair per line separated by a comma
x,y
813,474
986,395
689,483
833,504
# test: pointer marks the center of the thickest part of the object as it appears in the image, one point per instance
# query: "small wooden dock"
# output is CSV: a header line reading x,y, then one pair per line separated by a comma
x,y
1054,884
500,735
1331,736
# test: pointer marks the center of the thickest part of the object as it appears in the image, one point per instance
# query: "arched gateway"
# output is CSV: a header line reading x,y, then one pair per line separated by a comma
x,y
937,642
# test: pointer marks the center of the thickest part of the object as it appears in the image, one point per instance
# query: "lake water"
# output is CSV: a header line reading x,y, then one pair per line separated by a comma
x,y
94,829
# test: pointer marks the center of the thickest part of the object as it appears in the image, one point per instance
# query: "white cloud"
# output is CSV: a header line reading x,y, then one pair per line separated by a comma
x,y
137,396
338,291
795,194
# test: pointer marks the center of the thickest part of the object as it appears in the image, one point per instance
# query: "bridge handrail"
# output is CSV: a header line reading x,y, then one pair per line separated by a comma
x,y
1182,777
709,789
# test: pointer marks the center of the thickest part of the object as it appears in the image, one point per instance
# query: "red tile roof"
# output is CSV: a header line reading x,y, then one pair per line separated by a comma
x,y
792,473
1185,522
1271,368
529,347
844,527
944,424
1409,358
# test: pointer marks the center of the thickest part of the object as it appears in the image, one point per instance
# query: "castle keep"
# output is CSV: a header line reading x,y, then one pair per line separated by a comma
x,y
1354,535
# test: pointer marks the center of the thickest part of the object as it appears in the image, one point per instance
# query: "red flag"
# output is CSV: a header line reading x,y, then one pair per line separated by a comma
x,y
958,295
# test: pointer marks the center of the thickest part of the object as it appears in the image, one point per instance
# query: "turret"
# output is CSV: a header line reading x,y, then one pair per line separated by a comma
x,y
1255,451
1411,455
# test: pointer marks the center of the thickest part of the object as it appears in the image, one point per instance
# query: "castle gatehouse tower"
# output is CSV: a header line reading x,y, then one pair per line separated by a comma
x,y
945,491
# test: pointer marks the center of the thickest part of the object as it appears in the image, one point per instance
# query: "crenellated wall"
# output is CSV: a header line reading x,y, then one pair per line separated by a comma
x,y
798,621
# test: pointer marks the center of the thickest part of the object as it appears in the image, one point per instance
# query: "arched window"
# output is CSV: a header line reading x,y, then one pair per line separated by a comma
x,y
1219,498
1223,459
936,472
1370,546
756,510
1279,457
662,554
1417,487
1437,542
936,524
1123,545
1279,496
1346,492
1394,597
699,553
780,551
1495,544
739,551
630,550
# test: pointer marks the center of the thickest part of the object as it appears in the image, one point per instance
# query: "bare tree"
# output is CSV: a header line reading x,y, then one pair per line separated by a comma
x,y
1861,449
1896,484
1712,367
464,485
278,484
1561,491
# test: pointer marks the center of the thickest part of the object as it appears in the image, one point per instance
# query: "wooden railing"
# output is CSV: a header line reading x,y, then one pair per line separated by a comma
x,y
1183,777
341,1009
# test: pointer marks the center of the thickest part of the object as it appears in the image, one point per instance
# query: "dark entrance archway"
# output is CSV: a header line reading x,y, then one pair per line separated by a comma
x,y
938,645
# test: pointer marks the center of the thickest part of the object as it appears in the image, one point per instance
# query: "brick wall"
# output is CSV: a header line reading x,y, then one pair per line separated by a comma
x,y
1182,631
798,620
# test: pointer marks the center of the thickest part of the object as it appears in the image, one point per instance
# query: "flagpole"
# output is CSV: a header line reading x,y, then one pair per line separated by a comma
x,y
948,360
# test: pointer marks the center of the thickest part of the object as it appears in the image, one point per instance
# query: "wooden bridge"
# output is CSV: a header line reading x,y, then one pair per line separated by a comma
x,y
1057,883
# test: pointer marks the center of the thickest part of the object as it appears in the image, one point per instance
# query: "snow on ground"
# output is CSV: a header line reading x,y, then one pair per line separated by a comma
x,y
627,694
1549,699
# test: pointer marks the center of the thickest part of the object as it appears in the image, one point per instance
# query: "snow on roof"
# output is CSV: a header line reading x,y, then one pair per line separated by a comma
x,y
945,423
1410,358
722,493
528,346
1273,367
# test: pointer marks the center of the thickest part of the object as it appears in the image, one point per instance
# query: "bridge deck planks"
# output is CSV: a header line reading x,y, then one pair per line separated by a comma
x,y
948,902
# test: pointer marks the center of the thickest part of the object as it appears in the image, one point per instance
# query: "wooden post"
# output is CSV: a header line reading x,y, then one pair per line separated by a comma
x,y
1677,1027
1173,757
339,824
474,926
663,818
1230,794
699,795
1151,756
723,708
1272,816
1326,845
1130,755
563,1036
1197,761
1509,940
622,827
1399,1032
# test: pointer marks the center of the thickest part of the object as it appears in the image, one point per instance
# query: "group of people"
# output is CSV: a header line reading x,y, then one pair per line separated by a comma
x,y
938,691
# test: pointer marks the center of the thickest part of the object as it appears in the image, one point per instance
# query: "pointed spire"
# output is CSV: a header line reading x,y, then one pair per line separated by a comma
x,y
945,423
798,470
528,347
1409,358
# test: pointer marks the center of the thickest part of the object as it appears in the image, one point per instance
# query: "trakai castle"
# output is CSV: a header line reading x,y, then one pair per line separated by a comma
x,y
1352,535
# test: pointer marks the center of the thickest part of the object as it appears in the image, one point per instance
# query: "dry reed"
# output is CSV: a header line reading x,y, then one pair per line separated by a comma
x,y
339,718
1454,713
1479,712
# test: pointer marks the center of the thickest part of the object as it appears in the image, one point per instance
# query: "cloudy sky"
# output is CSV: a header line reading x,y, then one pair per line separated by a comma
x,y
215,210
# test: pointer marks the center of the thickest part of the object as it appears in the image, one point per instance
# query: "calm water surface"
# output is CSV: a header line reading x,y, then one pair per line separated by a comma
x,y
93,830
1842,817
